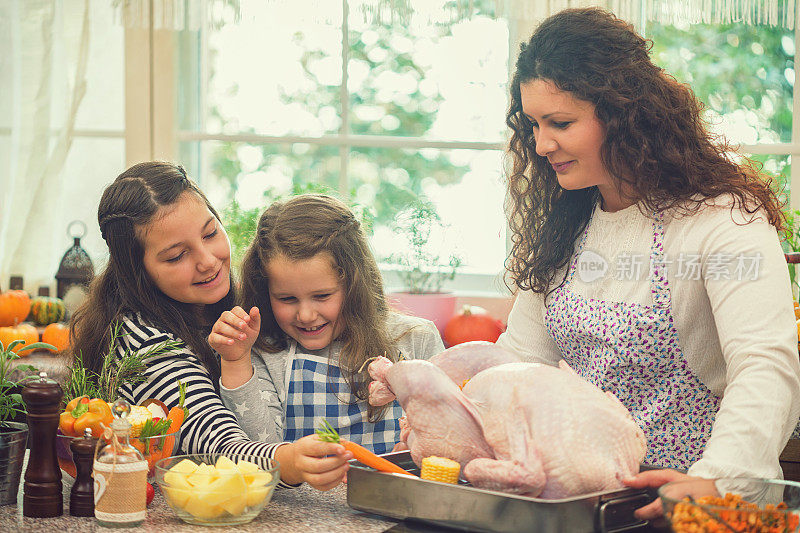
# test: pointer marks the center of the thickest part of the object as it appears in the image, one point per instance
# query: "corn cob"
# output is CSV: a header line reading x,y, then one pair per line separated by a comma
x,y
138,417
440,469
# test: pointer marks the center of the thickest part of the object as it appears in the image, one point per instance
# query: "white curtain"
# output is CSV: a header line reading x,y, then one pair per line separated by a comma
x,y
180,14
767,12
43,59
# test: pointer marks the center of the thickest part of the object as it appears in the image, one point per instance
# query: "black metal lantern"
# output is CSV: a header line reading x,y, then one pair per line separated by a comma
x,y
75,271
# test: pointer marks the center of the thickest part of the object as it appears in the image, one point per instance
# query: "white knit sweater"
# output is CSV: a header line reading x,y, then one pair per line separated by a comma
x,y
737,333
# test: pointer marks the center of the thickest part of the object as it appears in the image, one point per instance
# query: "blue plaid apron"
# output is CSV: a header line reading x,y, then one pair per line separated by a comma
x,y
315,389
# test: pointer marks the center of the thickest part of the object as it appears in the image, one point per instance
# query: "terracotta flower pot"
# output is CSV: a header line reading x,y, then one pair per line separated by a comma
x,y
438,307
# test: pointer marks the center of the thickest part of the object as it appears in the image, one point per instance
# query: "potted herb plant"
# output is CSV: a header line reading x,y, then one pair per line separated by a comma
x,y
13,435
421,270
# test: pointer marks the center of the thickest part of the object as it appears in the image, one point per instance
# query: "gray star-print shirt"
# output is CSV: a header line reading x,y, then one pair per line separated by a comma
x,y
260,403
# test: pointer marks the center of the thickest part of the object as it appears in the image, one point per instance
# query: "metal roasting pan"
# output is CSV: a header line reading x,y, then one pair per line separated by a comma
x,y
467,508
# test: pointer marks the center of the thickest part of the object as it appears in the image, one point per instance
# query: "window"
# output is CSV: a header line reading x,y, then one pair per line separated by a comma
x,y
292,99
312,95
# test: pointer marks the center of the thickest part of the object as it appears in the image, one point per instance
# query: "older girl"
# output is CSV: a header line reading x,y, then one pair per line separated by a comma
x,y
168,277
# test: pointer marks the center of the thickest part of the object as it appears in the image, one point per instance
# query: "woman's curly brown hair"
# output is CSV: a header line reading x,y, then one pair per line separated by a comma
x,y
656,142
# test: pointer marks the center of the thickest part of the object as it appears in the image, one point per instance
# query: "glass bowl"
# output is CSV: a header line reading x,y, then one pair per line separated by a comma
x,y
732,504
217,489
152,448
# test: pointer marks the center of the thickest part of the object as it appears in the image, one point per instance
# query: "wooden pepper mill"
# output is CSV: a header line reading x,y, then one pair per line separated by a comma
x,y
81,497
42,489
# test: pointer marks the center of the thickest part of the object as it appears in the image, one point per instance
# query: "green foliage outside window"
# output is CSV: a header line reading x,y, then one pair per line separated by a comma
x,y
743,70
381,182
736,70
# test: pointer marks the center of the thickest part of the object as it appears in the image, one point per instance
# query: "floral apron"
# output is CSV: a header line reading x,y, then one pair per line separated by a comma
x,y
315,389
633,351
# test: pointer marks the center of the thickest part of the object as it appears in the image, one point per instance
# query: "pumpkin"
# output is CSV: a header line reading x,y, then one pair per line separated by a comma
x,y
472,324
26,332
56,334
14,307
46,310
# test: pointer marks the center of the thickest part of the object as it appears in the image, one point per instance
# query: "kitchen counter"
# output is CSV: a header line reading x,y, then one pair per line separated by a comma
x,y
303,509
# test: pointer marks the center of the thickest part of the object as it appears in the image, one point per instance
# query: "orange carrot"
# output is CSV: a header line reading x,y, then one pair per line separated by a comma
x,y
139,445
169,442
176,416
178,413
152,459
328,433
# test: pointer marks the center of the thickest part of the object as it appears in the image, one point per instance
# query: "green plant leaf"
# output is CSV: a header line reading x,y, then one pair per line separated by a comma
x,y
38,346
14,344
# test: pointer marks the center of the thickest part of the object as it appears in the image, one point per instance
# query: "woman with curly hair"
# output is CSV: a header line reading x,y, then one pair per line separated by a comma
x,y
644,256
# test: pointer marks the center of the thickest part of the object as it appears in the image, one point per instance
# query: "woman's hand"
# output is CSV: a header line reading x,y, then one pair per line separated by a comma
x,y
234,333
654,479
323,465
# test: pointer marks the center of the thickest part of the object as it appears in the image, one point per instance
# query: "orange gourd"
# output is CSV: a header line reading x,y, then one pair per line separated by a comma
x,y
26,332
56,334
14,307
469,325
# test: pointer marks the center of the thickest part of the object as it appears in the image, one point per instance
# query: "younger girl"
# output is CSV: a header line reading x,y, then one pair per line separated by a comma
x,y
168,278
311,273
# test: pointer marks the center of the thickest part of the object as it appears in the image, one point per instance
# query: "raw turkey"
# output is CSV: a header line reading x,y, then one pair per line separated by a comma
x,y
516,427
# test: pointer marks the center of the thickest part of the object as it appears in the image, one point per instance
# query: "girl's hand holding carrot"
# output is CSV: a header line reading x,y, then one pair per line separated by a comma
x,y
323,465
328,433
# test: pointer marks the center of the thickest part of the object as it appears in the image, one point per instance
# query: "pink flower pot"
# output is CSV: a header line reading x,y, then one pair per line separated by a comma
x,y
438,307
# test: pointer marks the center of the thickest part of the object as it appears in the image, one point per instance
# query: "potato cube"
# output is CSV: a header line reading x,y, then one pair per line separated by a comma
x,y
186,466
177,496
203,476
258,478
256,494
246,467
235,505
177,480
229,485
198,507
224,463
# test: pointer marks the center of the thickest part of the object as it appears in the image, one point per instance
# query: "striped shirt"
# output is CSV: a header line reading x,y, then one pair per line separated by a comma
x,y
210,426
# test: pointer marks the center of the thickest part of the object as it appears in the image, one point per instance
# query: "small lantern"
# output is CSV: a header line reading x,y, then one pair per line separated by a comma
x,y
75,271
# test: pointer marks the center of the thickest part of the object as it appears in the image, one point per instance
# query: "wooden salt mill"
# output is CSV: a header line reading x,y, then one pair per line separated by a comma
x,y
81,497
42,489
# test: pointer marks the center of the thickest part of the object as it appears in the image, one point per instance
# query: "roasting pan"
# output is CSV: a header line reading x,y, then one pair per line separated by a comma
x,y
470,509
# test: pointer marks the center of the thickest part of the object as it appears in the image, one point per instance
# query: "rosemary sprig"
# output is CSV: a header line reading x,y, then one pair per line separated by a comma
x,y
80,382
129,366
117,369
